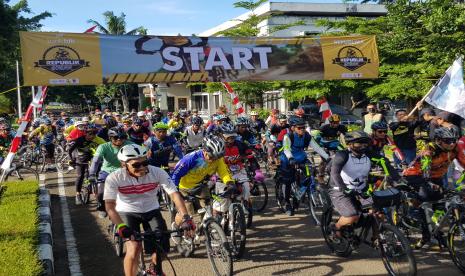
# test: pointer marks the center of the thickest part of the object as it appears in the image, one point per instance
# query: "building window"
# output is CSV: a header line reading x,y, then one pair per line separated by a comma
x,y
182,103
216,98
200,102
197,88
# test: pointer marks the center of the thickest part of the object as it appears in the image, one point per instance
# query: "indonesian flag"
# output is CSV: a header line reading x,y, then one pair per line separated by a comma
x,y
324,110
235,99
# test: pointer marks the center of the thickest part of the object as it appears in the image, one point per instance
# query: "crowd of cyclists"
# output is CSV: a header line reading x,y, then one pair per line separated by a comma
x,y
130,157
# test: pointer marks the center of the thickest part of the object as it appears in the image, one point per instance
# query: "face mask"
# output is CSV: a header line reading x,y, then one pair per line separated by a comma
x,y
371,110
359,149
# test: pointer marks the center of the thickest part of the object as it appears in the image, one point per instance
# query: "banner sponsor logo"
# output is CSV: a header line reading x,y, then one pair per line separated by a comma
x,y
61,60
351,58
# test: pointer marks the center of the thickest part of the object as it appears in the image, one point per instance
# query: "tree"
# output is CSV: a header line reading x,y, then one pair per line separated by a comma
x,y
417,41
116,25
12,21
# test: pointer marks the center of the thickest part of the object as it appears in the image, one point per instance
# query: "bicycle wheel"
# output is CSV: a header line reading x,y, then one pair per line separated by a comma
x,y
340,246
396,252
259,196
218,250
456,244
317,201
236,229
85,194
118,243
279,194
21,173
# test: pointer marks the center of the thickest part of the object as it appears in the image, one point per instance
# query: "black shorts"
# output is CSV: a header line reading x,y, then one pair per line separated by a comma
x,y
347,206
150,221
49,150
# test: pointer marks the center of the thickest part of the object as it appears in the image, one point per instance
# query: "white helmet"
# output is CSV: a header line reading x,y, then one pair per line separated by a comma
x,y
214,145
132,151
140,113
85,119
80,123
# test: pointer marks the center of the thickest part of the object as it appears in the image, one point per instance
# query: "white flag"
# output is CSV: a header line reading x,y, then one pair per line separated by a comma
x,y
449,92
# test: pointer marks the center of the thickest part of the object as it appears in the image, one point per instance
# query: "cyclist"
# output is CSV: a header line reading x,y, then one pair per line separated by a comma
x,y
194,134
348,177
106,156
329,133
110,122
161,146
295,141
215,127
257,124
46,133
157,116
167,119
138,133
273,118
80,152
131,200
271,137
403,135
426,173
246,137
127,122
6,137
197,166
145,122
79,130
98,119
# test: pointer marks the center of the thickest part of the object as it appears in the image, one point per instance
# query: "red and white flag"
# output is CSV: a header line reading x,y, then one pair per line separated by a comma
x,y
235,99
325,110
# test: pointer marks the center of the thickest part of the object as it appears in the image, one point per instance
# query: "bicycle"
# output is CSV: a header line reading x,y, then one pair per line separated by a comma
x,y
215,239
394,247
232,217
18,172
87,189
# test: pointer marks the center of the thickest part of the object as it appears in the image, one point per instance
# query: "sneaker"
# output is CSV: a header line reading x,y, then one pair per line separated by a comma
x,y
175,236
78,200
289,211
153,271
102,214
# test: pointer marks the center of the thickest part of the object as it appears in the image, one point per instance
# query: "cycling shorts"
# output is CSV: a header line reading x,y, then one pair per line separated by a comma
x,y
347,206
49,150
152,220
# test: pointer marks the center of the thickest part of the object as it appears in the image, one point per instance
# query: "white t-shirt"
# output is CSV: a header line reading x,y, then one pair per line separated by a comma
x,y
137,195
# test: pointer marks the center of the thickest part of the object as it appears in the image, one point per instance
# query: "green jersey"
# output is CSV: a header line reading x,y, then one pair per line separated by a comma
x,y
109,154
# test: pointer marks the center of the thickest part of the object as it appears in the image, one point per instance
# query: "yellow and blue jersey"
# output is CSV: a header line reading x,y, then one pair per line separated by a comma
x,y
193,168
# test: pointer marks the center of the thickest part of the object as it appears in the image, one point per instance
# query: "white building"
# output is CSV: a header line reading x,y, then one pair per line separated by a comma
x,y
278,13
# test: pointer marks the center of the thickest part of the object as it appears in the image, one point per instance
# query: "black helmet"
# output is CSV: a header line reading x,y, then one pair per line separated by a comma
x,y
197,121
296,121
116,132
356,136
379,125
111,122
445,133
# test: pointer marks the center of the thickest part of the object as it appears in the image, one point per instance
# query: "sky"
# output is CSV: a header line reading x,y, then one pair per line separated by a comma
x,y
169,17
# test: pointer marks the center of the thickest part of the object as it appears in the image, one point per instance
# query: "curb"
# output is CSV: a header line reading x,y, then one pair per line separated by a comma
x,y
45,229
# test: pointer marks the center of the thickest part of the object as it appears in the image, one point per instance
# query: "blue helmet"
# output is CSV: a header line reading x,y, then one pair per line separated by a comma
x,y
379,125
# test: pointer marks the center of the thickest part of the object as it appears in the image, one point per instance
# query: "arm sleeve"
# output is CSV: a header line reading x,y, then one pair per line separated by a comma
x,y
223,171
337,164
177,148
96,161
392,172
72,146
111,188
181,169
287,146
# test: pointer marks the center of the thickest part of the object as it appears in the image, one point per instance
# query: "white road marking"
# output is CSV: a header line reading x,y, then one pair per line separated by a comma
x,y
73,255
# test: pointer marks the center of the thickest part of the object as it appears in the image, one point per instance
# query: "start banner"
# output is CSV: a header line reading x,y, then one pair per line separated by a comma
x,y
86,59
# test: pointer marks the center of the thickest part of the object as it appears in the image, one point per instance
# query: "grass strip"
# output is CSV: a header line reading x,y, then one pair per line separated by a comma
x,y
19,229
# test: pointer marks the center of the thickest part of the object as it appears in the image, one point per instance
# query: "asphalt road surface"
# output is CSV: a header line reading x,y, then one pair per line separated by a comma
x,y
276,245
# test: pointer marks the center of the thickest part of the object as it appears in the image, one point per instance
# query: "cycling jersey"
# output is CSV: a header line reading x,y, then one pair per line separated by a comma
x,y
433,162
75,134
294,147
194,140
81,150
403,134
160,150
68,130
137,194
193,168
108,153
5,142
234,154
45,133
258,125
174,124
247,138
332,133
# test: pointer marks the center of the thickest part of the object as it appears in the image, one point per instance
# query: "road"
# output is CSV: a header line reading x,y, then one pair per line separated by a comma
x,y
276,245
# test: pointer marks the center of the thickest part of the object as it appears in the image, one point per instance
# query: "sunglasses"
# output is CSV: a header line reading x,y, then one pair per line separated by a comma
x,y
381,131
449,141
115,138
300,127
138,165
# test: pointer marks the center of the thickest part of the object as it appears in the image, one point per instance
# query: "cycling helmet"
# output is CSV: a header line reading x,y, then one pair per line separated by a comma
x,y
253,113
132,151
357,136
169,114
140,114
282,117
116,132
296,121
445,133
47,121
160,125
183,114
85,119
379,125
214,146
227,128
299,112
242,121
220,117
111,122
80,123
138,121
334,118
197,121
36,122
175,114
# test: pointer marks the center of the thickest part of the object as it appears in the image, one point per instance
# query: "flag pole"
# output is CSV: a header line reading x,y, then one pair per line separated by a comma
x,y
19,91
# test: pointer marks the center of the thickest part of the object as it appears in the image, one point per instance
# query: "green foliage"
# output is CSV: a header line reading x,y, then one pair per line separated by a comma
x,y
19,229
5,104
262,113
116,25
417,41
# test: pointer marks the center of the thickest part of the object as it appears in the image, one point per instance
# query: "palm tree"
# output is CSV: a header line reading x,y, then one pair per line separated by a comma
x,y
116,25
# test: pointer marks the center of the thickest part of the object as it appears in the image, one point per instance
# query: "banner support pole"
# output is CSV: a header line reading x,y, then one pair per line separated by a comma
x,y
19,91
